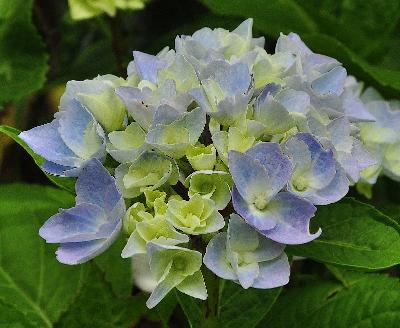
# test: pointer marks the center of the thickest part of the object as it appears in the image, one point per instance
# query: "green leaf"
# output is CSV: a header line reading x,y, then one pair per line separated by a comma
x,y
12,318
97,306
164,310
23,59
375,19
192,308
271,17
354,235
64,183
346,277
371,301
116,269
244,308
32,282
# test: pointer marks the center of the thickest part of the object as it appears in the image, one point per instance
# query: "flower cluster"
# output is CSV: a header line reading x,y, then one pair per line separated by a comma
x,y
214,152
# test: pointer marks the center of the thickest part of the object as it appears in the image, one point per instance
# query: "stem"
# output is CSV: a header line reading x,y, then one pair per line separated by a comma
x,y
212,283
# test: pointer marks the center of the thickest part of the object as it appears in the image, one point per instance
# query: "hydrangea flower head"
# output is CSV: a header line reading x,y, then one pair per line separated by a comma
x,y
220,151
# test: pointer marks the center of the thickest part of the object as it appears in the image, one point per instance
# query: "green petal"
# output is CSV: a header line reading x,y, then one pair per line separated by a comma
x,y
194,286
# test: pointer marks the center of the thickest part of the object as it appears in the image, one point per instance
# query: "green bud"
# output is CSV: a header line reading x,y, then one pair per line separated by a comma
x,y
201,157
195,216
135,214
214,185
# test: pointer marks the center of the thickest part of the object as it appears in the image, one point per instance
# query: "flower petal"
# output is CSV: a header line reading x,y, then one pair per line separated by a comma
x,y
273,273
292,215
80,223
147,66
80,252
96,186
261,220
45,140
216,257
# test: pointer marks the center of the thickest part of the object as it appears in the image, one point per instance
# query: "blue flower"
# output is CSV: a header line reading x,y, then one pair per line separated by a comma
x,y
91,226
243,255
225,90
316,176
259,176
69,141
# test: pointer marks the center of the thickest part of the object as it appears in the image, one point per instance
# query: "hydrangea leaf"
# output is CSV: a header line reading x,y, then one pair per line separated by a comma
x,y
23,56
238,308
47,289
117,271
366,299
355,235
115,311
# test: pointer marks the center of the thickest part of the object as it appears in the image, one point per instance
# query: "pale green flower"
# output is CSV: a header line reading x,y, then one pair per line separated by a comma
x,y
99,97
236,138
174,266
172,133
214,185
135,214
202,157
152,196
148,172
195,216
125,146
84,9
181,72
156,229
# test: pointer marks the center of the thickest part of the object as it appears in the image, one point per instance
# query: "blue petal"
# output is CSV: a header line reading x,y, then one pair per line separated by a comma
x,y
74,124
336,190
292,215
250,177
55,169
273,273
330,83
322,166
355,110
45,140
277,165
132,98
80,252
261,172
269,89
259,219
96,186
147,66
231,78
216,257
292,43
81,223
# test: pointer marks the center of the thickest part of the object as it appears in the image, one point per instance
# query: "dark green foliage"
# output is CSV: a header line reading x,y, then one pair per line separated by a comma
x,y
354,235
23,59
